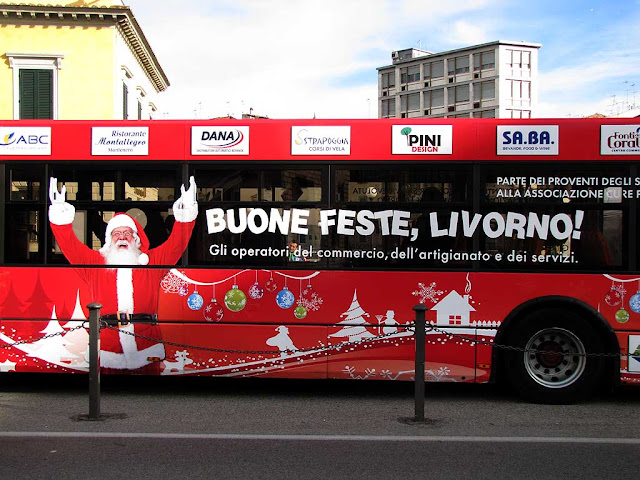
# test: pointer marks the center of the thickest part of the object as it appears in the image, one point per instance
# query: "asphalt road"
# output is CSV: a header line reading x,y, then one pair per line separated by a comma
x,y
177,428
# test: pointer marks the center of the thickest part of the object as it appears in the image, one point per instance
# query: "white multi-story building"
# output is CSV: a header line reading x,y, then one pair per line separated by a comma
x,y
497,79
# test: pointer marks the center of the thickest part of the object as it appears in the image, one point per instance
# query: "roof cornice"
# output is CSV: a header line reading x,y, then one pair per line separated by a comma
x,y
121,16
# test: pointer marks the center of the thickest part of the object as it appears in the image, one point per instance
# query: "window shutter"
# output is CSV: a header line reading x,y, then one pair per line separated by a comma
x,y
36,94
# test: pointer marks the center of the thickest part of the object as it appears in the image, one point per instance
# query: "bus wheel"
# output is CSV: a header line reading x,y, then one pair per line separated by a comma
x,y
554,367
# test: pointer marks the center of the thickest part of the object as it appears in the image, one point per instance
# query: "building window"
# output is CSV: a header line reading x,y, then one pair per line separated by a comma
x,y
434,70
526,60
35,80
460,94
518,114
434,98
410,103
520,92
485,114
36,94
455,319
518,59
484,90
458,65
410,74
388,108
388,79
484,61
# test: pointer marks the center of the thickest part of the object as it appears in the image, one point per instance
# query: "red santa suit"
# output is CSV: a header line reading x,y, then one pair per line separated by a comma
x,y
124,289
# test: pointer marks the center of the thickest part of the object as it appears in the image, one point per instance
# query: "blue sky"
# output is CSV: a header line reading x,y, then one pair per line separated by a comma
x,y
300,58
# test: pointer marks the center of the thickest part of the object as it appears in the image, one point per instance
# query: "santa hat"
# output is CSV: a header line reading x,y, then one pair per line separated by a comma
x,y
140,238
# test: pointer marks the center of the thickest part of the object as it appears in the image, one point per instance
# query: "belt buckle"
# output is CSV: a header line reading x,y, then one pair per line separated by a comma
x,y
123,318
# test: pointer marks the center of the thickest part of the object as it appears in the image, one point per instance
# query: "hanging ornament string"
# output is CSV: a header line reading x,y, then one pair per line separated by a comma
x,y
184,277
300,311
622,316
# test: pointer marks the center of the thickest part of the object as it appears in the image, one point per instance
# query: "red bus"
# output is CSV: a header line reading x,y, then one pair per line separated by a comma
x,y
298,248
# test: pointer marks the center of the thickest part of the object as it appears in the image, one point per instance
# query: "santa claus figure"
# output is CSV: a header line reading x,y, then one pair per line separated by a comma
x,y
128,295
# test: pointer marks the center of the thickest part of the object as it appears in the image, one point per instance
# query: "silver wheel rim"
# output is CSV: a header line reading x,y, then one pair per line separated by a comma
x,y
554,358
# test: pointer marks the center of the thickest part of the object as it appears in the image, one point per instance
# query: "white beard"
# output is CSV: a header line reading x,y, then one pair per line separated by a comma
x,y
124,256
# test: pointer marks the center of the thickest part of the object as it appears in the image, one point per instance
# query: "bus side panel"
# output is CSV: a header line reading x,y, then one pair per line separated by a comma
x,y
352,324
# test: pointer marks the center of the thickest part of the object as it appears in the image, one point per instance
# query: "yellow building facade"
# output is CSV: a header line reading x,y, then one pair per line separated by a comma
x,y
76,60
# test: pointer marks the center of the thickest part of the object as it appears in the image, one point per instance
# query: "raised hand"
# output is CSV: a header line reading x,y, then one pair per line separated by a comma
x,y
55,196
189,197
60,212
185,208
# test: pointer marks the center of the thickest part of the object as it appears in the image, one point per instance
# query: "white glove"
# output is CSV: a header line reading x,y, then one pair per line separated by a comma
x,y
185,208
60,212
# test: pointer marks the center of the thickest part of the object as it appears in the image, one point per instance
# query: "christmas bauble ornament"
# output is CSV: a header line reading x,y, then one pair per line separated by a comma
x,y
271,285
300,312
634,303
256,291
622,316
310,299
184,290
195,301
213,312
235,299
285,298
613,297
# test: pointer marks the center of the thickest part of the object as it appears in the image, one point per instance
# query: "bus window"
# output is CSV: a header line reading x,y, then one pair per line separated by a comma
x,y
409,184
150,186
259,185
22,240
24,183
579,197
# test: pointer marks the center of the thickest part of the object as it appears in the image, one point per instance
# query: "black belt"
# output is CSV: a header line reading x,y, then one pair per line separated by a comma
x,y
124,318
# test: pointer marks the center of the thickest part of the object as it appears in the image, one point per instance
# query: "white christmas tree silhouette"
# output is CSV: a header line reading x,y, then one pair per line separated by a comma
x,y
354,322
52,349
77,341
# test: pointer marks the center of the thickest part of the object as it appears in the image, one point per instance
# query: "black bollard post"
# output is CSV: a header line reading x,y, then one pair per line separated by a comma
x,y
94,361
420,325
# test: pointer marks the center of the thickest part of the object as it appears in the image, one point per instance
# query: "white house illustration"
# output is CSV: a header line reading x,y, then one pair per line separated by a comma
x,y
453,309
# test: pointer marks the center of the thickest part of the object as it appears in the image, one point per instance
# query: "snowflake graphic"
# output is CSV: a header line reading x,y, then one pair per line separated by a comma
x,y
310,300
620,289
172,283
427,293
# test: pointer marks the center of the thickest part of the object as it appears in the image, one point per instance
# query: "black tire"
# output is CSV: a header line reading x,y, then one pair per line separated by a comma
x,y
564,377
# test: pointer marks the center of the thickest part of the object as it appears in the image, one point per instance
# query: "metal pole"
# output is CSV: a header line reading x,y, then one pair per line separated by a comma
x,y
94,360
420,325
